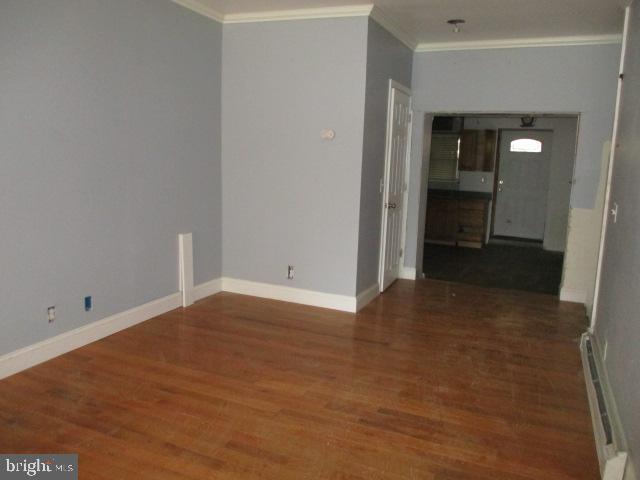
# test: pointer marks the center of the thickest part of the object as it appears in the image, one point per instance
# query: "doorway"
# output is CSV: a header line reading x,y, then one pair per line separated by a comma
x,y
498,195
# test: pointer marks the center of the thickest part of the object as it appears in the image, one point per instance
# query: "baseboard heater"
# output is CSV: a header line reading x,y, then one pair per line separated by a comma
x,y
608,438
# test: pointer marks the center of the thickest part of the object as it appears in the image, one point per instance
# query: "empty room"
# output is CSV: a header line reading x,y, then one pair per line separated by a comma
x,y
320,239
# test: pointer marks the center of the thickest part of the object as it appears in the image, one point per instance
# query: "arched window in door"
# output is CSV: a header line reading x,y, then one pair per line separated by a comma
x,y
526,145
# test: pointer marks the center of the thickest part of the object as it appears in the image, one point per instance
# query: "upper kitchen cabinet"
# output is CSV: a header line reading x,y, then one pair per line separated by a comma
x,y
477,150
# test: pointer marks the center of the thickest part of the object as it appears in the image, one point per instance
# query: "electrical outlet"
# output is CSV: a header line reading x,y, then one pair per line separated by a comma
x,y
88,303
51,314
290,272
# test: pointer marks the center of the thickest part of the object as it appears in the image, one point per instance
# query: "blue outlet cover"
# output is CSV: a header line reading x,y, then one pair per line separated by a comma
x,y
88,304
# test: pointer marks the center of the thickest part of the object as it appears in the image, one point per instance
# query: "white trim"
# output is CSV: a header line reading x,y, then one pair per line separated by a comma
x,y
405,198
198,7
18,360
407,273
31,355
392,27
571,295
367,296
27,357
519,43
185,264
377,14
612,458
290,294
300,14
612,157
207,289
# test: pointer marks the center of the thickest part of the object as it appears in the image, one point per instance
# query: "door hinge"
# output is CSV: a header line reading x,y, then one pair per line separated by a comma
x,y
401,252
381,185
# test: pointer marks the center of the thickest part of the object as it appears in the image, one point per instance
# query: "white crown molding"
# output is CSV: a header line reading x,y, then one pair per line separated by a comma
x,y
388,24
198,7
300,14
520,43
392,27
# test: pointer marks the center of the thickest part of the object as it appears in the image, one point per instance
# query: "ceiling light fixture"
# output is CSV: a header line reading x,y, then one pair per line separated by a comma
x,y
528,121
456,22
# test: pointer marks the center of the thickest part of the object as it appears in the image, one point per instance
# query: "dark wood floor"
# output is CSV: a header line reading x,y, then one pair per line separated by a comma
x,y
513,267
430,381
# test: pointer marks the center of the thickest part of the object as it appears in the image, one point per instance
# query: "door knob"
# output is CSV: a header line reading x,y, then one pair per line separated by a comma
x,y
391,205
501,182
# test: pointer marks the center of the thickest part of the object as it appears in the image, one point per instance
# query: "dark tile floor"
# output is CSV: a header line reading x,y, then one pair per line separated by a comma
x,y
527,268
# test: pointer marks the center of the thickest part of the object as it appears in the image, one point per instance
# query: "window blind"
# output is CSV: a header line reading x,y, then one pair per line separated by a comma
x,y
443,161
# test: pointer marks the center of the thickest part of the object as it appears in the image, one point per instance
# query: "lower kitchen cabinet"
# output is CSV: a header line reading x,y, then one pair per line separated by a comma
x,y
454,219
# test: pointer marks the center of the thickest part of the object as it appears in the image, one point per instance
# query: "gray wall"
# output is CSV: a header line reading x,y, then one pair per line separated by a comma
x,y
387,58
572,79
618,323
291,198
109,147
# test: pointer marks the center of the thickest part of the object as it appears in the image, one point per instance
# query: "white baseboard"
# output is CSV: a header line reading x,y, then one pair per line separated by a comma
x,y
207,289
290,294
27,357
570,295
407,273
611,457
365,297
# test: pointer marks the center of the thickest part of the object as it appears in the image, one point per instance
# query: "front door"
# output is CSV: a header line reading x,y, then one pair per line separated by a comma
x,y
523,184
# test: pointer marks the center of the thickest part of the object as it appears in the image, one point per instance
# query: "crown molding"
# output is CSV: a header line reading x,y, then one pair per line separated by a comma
x,y
300,14
198,7
392,27
520,43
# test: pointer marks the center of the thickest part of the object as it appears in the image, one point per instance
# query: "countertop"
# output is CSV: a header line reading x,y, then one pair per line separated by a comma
x,y
441,192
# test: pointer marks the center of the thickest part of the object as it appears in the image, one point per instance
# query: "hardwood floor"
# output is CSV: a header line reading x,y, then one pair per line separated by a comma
x,y
430,381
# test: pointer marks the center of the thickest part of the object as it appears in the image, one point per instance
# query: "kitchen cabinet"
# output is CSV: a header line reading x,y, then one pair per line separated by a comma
x,y
477,150
442,219
472,222
457,218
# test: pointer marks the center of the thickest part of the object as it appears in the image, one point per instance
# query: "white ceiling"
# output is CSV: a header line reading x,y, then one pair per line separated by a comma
x,y
425,20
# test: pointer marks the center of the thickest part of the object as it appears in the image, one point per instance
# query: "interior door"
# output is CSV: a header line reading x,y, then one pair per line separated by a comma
x,y
396,159
523,184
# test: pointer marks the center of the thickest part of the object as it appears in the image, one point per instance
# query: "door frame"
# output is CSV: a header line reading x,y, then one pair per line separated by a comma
x,y
405,198
496,170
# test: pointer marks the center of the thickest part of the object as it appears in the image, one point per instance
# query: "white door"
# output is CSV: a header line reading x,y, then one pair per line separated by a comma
x,y
523,184
396,160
